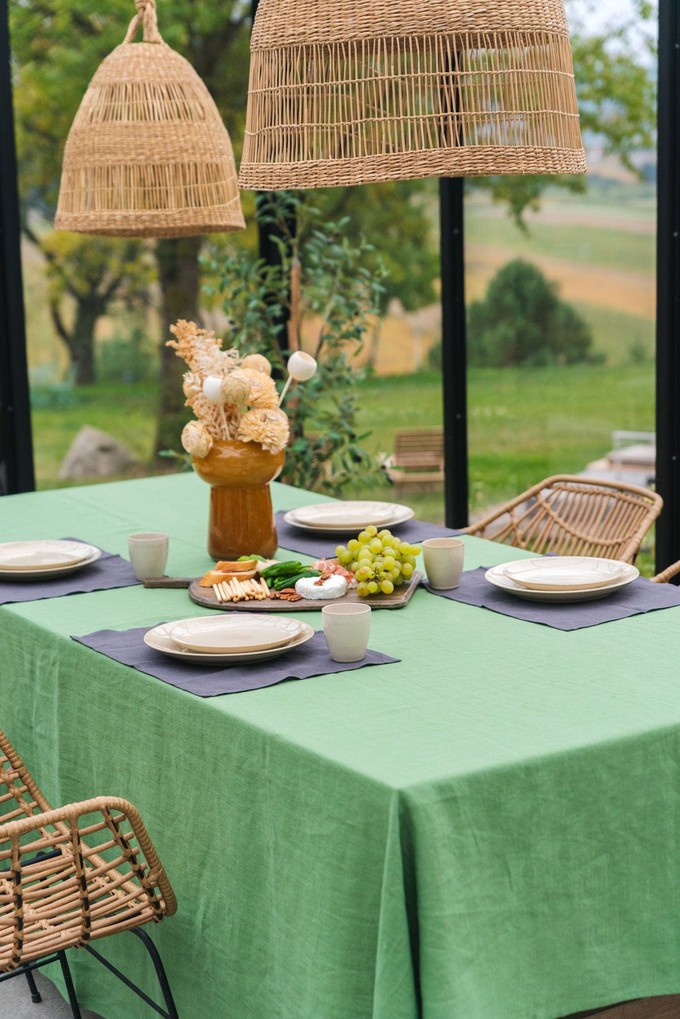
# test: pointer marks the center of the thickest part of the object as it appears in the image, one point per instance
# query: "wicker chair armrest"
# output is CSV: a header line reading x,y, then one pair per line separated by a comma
x,y
70,814
667,574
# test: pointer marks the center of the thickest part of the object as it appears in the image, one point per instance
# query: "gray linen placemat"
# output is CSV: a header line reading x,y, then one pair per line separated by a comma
x,y
310,659
324,545
108,572
640,596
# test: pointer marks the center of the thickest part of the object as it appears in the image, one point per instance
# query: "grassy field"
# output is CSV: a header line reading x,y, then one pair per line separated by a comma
x,y
523,424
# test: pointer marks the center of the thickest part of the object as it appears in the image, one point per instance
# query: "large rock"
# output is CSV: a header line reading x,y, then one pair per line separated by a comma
x,y
94,454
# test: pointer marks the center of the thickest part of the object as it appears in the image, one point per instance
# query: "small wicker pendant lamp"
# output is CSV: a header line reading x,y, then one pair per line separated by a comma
x,y
148,154
349,91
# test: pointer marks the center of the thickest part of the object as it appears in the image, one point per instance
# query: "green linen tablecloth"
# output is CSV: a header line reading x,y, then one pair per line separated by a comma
x,y
487,830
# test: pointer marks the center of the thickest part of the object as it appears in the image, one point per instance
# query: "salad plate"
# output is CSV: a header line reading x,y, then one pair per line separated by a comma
x,y
499,578
567,573
160,639
42,560
344,517
236,634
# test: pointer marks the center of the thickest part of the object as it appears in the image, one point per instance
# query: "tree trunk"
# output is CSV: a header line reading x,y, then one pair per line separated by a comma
x,y
178,273
79,340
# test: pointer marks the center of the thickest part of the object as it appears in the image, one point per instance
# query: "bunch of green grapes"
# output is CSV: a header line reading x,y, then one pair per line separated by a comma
x,y
379,561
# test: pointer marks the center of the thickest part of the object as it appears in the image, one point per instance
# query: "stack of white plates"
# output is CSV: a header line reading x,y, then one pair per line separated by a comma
x,y
341,517
562,578
229,640
40,560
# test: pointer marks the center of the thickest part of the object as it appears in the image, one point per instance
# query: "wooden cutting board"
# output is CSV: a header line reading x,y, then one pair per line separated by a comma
x,y
399,597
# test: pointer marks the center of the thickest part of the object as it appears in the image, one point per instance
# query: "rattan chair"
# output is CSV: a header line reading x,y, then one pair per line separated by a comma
x,y
72,875
571,515
666,575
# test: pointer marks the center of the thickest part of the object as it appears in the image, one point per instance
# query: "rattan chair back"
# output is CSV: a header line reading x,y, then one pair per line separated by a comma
x,y
70,875
570,515
148,154
349,92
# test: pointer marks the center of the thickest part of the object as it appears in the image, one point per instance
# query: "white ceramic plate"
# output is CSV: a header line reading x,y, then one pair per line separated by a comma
x,y
340,521
566,573
17,556
47,573
160,640
244,632
497,576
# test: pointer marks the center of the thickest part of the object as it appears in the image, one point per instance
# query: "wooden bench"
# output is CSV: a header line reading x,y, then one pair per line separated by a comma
x,y
418,460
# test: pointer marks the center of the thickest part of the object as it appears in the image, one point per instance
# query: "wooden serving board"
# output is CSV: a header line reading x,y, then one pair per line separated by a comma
x,y
399,597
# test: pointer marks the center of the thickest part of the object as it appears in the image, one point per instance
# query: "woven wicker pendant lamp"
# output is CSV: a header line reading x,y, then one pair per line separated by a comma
x,y
349,92
148,154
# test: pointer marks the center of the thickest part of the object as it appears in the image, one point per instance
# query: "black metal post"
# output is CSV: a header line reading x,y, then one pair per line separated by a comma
x,y
454,368
16,448
668,287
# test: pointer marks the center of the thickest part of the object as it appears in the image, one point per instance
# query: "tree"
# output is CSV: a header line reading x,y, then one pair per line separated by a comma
x,y
92,272
326,280
522,321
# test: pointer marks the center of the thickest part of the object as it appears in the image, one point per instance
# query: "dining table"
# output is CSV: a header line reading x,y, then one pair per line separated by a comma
x,y
485,827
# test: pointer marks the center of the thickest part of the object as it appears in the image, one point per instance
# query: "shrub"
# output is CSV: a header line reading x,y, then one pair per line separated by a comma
x,y
522,321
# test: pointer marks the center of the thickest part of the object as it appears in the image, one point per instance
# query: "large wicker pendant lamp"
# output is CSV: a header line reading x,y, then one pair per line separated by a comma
x,y
349,92
148,154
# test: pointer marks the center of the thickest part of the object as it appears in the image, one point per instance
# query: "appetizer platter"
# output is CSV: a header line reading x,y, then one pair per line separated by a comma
x,y
375,567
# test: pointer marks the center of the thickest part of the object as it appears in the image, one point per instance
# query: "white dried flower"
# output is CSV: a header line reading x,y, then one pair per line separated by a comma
x,y
196,439
236,388
263,394
258,363
268,427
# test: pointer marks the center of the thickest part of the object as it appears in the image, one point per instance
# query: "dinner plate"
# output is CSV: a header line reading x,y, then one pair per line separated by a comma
x,y
336,520
498,577
245,632
566,573
160,640
47,573
17,556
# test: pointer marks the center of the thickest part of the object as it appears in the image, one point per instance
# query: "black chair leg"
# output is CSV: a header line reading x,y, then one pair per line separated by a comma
x,y
70,989
35,993
160,971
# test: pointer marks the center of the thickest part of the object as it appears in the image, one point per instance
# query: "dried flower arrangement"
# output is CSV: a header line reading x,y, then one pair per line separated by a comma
x,y
232,397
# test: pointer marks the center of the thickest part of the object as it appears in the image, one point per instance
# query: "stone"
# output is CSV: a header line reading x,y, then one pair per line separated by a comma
x,y
94,454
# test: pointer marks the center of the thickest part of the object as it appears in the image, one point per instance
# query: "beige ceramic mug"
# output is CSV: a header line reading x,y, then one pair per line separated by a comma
x,y
347,627
443,558
148,553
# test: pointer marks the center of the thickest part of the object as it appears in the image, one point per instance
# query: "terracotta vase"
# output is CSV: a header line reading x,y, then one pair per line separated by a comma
x,y
241,513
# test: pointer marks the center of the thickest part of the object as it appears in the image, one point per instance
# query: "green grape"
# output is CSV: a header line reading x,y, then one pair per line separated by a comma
x,y
344,555
407,570
398,581
386,586
363,537
372,587
376,546
372,530
354,565
384,534
409,560
353,545
365,554
389,562
362,590
389,541
364,573
414,550
396,569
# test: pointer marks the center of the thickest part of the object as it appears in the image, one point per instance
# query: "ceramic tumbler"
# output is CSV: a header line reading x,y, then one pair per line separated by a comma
x,y
443,558
148,553
347,627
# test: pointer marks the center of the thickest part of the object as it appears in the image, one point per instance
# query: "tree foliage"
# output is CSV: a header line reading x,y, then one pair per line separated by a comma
x,y
326,286
522,321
